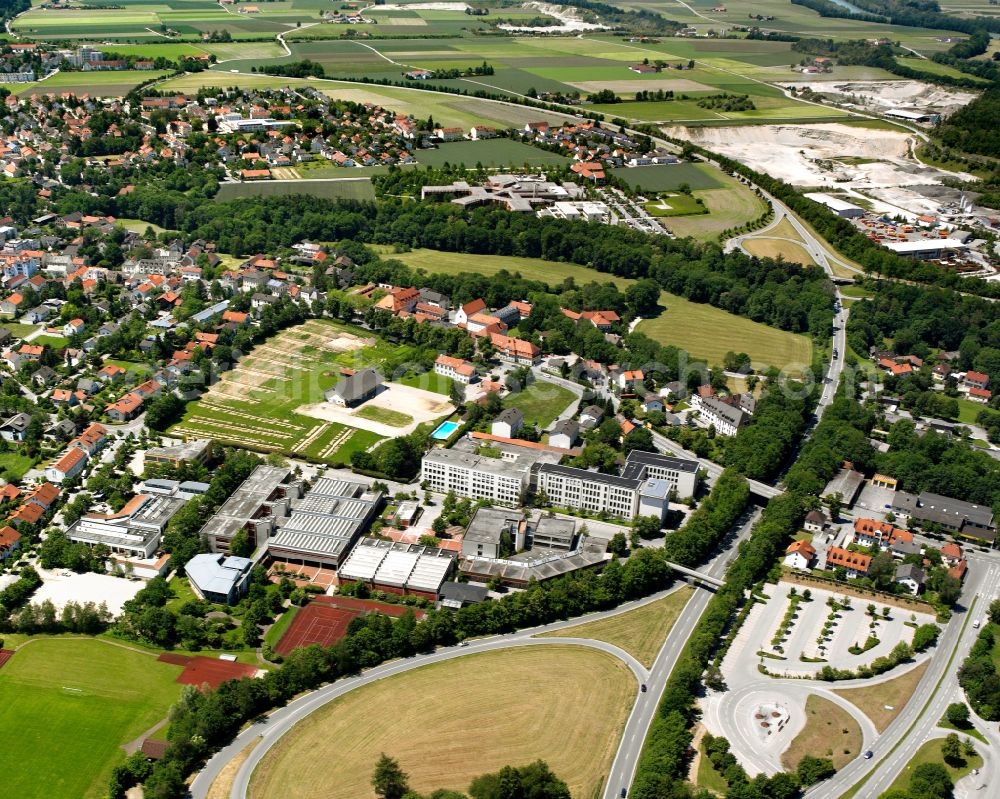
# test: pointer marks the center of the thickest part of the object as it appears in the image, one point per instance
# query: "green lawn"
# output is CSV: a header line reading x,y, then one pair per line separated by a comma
x,y
930,752
18,329
57,342
968,410
428,381
14,465
541,402
668,205
280,627
385,416
66,708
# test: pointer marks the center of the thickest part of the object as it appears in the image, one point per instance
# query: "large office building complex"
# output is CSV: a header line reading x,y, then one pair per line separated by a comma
x,y
264,497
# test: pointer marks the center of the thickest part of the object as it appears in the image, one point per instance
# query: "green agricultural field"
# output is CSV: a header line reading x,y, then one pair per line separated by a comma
x,y
448,110
709,333
670,177
336,189
541,403
262,403
66,708
101,84
490,153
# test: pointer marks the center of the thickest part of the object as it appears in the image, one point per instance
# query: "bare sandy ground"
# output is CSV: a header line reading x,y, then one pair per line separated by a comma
x,y
87,587
881,95
422,406
807,155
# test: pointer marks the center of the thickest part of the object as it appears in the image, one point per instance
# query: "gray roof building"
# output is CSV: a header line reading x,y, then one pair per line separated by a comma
x,y
356,388
219,578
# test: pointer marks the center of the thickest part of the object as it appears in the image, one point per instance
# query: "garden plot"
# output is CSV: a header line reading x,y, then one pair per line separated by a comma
x,y
395,411
799,636
254,405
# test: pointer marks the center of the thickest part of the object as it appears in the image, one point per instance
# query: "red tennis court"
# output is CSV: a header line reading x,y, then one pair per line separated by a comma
x,y
208,671
5,655
325,620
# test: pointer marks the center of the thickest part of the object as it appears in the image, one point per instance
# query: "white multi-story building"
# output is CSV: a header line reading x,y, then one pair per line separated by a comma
x,y
503,480
644,487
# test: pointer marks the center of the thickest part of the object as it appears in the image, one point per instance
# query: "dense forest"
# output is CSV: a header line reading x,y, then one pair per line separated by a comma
x,y
912,320
974,128
782,295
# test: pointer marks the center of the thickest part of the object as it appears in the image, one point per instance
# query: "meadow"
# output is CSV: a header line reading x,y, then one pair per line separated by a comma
x,y
344,187
100,84
703,330
254,405
520,704
66,708
541,403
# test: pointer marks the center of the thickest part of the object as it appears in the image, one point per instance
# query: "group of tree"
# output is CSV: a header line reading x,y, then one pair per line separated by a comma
x,y
534,781
978,675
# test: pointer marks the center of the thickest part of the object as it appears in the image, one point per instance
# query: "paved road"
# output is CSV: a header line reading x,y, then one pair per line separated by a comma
x,y
280,721
637,728
898,742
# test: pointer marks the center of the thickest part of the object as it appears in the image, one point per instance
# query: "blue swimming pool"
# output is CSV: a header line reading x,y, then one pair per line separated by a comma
x,y
444,430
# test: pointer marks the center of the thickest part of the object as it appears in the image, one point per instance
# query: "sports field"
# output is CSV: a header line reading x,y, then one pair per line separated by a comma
x,y
254,404
459,719
325,620
640,632
66,708
704,331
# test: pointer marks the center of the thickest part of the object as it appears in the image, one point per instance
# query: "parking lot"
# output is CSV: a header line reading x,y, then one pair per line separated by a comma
x,y
849,626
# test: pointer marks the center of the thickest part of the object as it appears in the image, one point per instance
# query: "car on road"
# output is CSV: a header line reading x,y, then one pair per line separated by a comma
x,y
975,624
624,792
869,754
644,687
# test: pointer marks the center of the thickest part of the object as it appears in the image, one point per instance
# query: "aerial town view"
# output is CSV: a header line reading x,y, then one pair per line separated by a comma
x,y
500,399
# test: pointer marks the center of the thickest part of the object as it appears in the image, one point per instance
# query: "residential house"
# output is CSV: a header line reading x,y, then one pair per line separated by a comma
x,y
68,466
15,428
815,521
856,564
911,577
508,423
10,541
800,555
564,434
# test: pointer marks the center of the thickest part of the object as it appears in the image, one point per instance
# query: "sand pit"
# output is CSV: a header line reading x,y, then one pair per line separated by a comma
x,y
421,406
825,154
62,587
653,84
881,95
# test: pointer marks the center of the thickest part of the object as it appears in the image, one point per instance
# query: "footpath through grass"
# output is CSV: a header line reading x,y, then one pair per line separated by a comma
x,y
66,708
